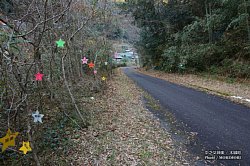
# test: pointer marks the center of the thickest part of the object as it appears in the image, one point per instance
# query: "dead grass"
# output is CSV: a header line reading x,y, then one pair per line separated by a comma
x,y
208,84
122,132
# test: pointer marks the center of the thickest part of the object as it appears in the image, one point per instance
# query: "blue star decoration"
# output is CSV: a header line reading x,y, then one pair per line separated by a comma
x,y
37,117
60,43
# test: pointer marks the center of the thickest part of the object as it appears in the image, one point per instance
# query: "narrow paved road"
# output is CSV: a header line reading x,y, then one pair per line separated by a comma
x,y
220,124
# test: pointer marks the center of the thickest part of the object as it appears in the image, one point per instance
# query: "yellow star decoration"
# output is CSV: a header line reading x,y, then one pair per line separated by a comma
x,y
8,140
26,147
103,78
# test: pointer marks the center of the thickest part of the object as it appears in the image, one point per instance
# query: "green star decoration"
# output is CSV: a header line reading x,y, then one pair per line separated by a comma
x,y
60,43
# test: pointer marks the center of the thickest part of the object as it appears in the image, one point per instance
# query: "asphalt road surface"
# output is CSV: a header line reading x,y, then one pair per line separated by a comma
x,y
220,124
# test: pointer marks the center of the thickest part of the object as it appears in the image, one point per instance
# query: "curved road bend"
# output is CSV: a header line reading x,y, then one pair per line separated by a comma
x,y
220,124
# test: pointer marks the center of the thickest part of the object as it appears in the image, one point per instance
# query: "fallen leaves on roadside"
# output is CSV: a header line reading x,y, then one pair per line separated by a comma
x,y
124,133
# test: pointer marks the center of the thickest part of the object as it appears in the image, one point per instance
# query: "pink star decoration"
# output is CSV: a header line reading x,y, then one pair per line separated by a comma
x,y
95,71
39,76
84,60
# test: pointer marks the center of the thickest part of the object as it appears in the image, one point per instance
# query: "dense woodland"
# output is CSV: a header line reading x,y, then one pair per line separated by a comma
x,y
51,37
194,35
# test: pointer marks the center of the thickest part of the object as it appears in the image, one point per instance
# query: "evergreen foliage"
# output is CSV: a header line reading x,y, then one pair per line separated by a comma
x,y
194,36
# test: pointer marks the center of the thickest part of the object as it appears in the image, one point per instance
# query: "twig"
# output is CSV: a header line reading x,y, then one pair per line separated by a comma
x,y
11,27
72,119
68,88
81,26
14,150
12,100
32,145
42,22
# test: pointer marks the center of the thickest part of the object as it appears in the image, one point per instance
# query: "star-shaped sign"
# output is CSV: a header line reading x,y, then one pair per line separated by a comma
x,y
60,43
37,117
95,71
91,65
104,78
25,148
8,140
39,76
84,60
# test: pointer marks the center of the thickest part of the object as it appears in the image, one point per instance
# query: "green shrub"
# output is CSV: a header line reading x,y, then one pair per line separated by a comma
x,y
192,58
203,56
171,60
235,69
